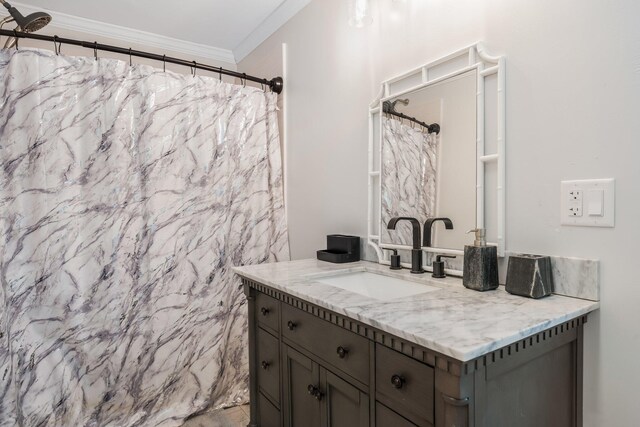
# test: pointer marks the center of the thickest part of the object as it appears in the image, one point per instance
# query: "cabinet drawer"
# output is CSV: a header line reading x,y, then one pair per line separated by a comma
x,y
406,384
343,349
267,309
268,365
269,414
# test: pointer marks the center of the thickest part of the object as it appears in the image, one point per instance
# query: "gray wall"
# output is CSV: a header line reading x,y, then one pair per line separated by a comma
x,y
573,98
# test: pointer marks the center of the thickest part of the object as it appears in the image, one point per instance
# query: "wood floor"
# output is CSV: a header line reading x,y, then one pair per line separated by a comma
x,y
231,417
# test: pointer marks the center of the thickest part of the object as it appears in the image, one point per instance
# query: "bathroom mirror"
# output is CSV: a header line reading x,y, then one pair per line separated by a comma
x,y
428,161
436,149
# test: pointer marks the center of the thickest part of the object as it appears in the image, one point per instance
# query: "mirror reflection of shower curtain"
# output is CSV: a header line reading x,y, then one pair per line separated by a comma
x,y
126,194
409,172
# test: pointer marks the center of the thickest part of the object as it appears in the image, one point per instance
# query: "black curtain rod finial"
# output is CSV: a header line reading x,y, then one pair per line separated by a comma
x,y
277,84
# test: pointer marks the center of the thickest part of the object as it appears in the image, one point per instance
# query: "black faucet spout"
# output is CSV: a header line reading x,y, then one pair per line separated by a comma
x,y
416,252
415,224
426,238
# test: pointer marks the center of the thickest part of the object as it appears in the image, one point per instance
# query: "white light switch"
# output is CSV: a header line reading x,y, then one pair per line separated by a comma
x,y
596,200
588,203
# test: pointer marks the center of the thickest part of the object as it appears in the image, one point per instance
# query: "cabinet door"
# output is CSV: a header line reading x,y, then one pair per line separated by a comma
x,y
269,414
268,358
302,398
343,404
386,417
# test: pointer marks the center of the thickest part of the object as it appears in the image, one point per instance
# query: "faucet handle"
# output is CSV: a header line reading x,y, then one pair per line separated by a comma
x,y
438,266
395,259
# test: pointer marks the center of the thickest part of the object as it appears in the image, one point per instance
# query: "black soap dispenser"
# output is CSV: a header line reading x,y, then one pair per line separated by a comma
x,y
480,271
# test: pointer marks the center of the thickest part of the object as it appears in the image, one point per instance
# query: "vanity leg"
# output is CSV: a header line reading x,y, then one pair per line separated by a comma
x,y
578,348
454,399
253,371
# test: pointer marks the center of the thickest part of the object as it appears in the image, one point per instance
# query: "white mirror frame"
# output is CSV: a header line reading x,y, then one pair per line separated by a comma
x,y
474,57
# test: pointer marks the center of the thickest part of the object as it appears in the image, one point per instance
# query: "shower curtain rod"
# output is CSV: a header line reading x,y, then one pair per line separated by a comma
x,y
387,107
276,84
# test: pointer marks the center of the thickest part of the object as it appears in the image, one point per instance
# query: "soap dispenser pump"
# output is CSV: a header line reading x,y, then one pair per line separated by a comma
x,y
480,271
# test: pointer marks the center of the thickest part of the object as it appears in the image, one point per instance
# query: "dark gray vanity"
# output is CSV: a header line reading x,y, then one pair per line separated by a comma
x,y
311,366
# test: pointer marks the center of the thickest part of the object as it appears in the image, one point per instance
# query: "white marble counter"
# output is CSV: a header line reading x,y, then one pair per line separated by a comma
x,y
453,320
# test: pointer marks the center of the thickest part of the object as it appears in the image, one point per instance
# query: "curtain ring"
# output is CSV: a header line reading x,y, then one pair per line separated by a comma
x,y
244,80
55,45
220,73
15,33
164,63
95,50
130,60
195,65
262,86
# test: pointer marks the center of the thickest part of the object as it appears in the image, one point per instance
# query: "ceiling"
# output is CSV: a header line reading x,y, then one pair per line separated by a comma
x,y
235,26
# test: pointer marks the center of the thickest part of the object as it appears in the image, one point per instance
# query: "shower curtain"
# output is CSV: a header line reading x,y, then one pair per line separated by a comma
x,y
126,194
409,177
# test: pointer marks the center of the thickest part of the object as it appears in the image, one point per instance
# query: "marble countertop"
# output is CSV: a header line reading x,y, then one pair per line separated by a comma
x,y
453,320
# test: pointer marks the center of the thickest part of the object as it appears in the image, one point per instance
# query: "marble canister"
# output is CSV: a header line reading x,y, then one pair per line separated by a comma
x,y
529,276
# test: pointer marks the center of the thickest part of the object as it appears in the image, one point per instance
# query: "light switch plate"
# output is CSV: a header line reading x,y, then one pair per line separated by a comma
x,y
588,203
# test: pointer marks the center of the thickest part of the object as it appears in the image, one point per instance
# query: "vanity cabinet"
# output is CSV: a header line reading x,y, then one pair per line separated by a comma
x,y
311,367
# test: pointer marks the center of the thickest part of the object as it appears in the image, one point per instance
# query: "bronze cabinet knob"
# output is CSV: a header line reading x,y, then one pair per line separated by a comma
x,y
314,391
397,381
342,352
291,325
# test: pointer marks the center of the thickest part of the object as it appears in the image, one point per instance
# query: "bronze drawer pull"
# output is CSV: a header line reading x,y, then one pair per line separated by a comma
x,y
455,402
264,311
397,381
314,391
265,365
291,325
342,352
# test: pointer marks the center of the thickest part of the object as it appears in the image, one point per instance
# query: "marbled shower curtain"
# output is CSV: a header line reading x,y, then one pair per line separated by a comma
x,y
408,178
126,194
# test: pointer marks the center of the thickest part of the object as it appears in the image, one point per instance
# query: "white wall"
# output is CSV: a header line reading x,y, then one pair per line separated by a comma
x,y
573,102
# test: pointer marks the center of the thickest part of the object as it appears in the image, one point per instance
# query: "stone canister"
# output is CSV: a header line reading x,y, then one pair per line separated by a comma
x,y
529,276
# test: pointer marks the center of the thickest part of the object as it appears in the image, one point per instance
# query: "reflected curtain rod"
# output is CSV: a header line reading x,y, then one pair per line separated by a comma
x,y
387,107
276,84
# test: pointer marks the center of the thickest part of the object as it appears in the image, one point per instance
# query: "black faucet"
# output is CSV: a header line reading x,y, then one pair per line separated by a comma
x,y
426,239
416,252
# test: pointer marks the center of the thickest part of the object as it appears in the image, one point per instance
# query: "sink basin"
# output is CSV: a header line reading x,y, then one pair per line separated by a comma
x,y
373,285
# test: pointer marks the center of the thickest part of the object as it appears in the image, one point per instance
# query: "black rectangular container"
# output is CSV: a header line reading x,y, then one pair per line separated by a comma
x,y
341,248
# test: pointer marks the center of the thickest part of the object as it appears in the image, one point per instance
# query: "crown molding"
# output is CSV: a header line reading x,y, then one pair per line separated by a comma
x,y
129,35
284,12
